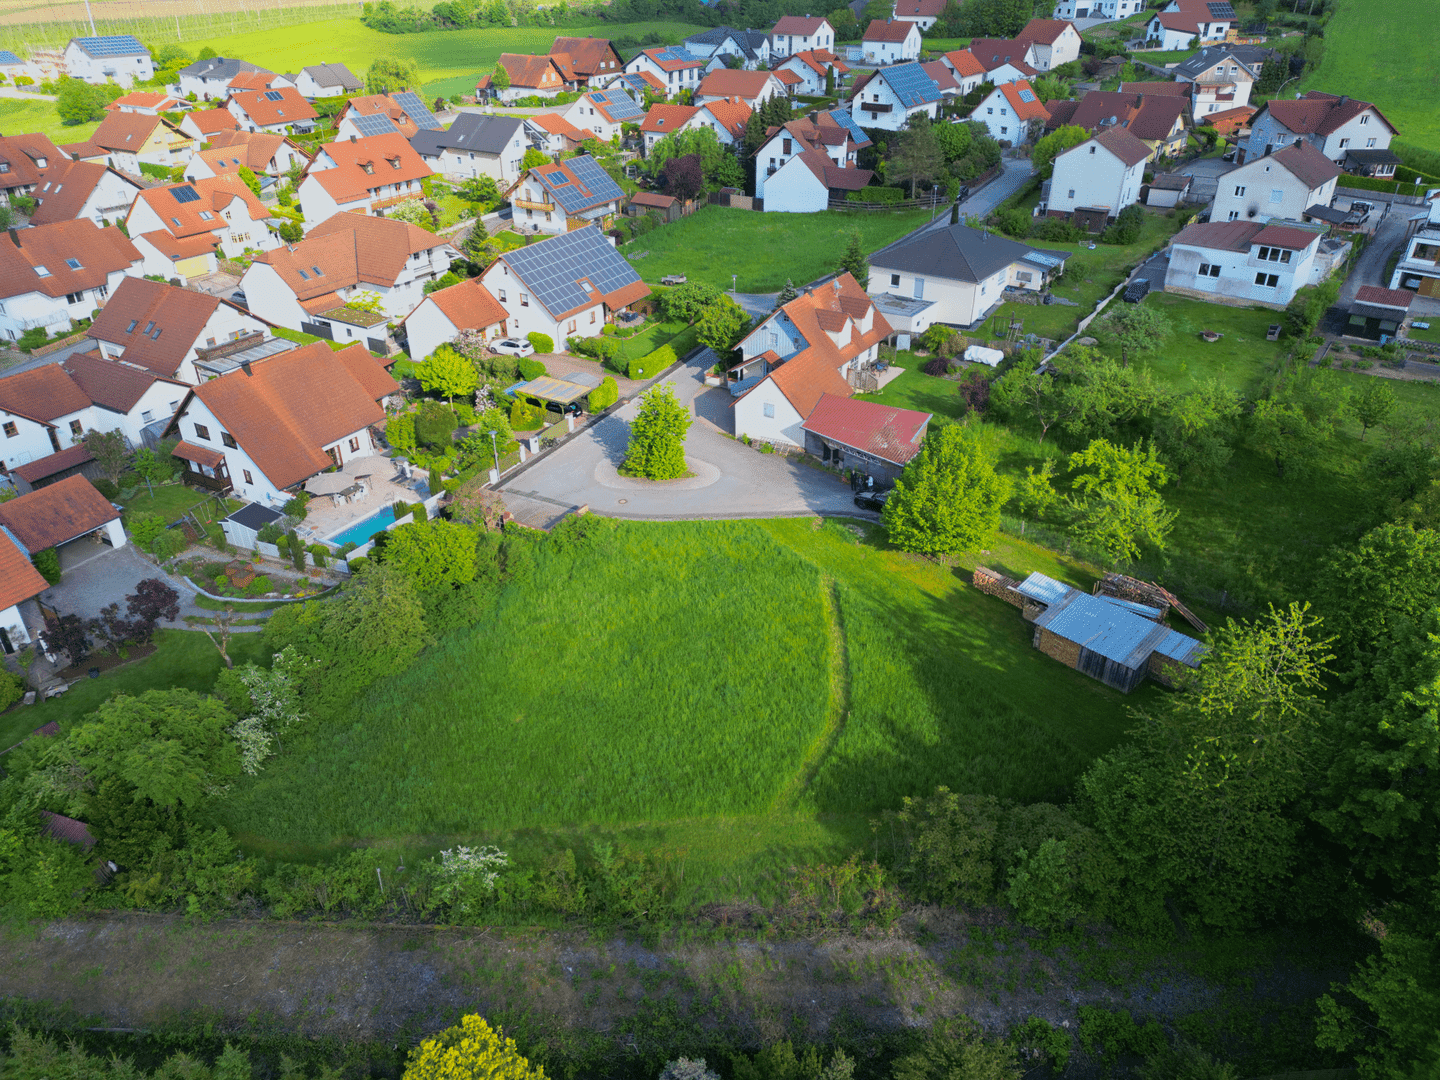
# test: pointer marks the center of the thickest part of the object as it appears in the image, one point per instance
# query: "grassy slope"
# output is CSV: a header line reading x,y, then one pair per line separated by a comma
x,y
18,116
762,250
1384,51
453,56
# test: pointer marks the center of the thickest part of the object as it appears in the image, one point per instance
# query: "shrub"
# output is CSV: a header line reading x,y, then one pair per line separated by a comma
x,y
938,367
296,507
542,342
145,527
1056,231
531,368
108,488
886,195
12,688
1014,222
168,544
297,550
975,391
270,533
434,424
260,586
604,395
949,842
526,417
48,563
934,338
319,553
647,367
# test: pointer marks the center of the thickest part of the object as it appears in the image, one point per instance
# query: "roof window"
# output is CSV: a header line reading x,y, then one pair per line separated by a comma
x,y
73,264
42,271
131,328
206,215
148,327
303,275
318,271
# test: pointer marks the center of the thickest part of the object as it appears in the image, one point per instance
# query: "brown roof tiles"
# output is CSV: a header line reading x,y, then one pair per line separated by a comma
x,y
96,252
366,165
19,580
265,111
56,513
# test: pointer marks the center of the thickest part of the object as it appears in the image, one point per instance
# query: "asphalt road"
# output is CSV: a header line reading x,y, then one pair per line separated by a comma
x,y
1369,268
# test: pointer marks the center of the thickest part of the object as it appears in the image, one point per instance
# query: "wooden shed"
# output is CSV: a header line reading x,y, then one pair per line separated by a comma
x,y
646,202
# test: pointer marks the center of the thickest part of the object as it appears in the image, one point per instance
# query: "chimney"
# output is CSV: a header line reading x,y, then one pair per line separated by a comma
x,y
352,138
1342,101
245,367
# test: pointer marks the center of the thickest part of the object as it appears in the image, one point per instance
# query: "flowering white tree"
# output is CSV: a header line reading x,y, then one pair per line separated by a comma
x,y
465,872
274,705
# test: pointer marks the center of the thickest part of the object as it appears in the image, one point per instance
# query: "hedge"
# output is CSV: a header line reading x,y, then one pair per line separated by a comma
x,y
530,368
526,417
876,195
1371,183
647,367
604,395
542,342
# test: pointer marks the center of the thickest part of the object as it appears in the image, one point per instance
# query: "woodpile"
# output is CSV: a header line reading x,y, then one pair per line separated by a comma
x,y
1122,587
995,583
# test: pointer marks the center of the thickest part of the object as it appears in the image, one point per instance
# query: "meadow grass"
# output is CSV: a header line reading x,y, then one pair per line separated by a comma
x,y
18,115
761,250
1382,51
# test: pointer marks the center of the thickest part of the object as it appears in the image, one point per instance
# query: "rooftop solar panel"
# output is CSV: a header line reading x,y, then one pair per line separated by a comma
x,y
1027,95
1221,10
911,85
845,120
553,268
118,45
274,95
7,57
378,124
416,110
185,194
595,187
620,105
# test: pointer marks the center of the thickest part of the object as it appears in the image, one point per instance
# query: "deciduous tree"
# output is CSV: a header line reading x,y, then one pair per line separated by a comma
x,y
657,436
1119,504
388,74
1047,149
1196,430
431,553
109,451
1136,328
949,497
918,156
1373,405
471,1050
720,324
448,373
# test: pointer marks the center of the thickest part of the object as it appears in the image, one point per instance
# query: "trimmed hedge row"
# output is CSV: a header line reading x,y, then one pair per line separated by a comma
x,y
887,195
650,365
604,395
1370,183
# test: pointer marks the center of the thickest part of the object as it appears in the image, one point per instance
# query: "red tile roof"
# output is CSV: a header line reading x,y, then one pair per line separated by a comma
x,y
65,189
663,119
819,61
1306,164
992,52
671,63
918,9
733,83
255,150
19,580
382,105
389,159
468,306
100,252
54,514
349,249
891,31
882,430
209,121
730,113
965,63
1373,294
42,394
1162,89
176,248
144,99
1242,235
201,455
1286,237
23,153
1123,145
67,829
651,198
1045,31
1146,116
252,80
787,77
798,26
587,56
1023,99
129,131
51,464
532,72
556,124
204,215
119,386
263,111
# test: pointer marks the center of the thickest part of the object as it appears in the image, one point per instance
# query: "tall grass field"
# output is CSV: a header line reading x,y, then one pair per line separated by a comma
x,y
682,678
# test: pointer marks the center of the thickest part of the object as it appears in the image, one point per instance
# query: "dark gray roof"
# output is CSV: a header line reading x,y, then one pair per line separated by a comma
x,y
554,268
1252,56
333,75
1321,212
1171,182
471,131
254,516
1373,157
749,42
957,252
219,67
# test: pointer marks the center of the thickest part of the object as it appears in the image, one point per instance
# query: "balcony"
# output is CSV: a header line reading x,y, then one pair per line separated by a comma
x,y
219,484
526,204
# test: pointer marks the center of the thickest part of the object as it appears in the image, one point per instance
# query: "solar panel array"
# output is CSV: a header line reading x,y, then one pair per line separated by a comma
x,y
620,105
185,193
553,268
7,57
1027,95
274,95
1221,10
911,85
845,120
378,124
595,185
675,52
119,45
416,110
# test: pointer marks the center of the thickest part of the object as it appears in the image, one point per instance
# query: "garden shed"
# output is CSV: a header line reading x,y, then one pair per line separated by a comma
x,y
650,202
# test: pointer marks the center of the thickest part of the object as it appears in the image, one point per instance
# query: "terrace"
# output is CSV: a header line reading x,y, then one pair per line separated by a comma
x,y
361,491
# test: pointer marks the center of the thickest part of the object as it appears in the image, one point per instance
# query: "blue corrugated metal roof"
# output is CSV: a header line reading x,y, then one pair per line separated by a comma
x,y
1182,647
1151,613
1111,631
1045,589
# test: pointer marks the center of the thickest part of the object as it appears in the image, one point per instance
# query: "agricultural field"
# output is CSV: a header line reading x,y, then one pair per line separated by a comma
x,y
761,250
724,687
1383,51
17,115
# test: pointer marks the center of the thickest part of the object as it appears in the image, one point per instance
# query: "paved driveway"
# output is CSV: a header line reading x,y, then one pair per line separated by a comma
x,y
730,480
96,575
1369,268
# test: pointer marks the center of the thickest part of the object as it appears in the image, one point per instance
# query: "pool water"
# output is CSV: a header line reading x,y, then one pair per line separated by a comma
x,y
377,522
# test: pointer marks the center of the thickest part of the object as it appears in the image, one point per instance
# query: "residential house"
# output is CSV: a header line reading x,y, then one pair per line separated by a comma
x,y
11,65
827,149
260,152
83,189
672,65
1157,120
556,197
405,111
1284,184
210,79
1231,122
789,82
51,274
954,275
891,41
1097,9
306,286
663,120
587,58
1336,126
363,176
812,68
635,83
530,76
439,318
923,13
604,112
1010,111
1419,267
327,80
119,59
944,80
124,140
750,47
888,97
798,33
475,146
263,430
800,352
965,69
1243,262
260,80
163,329
204,124
58,513
1378,313
726,117
1219,77
221,212
280,110
149,102
867,436
1053,42
567,286
19,582
552,134
1006,59
753,88
1184,24
24,161
1094,181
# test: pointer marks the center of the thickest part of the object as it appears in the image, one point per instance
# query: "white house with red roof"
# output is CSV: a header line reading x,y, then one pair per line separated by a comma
x,y
664,120
923,13
149,102
867,436
1185,24
603,113
557,197
1284,184
361,176
890,96
751,88
203,124
727,117
965,69
800,353
1097,9
220,211
1055,42
890,41
441,316
280,110
1243,262
19,582
804,163
1010,111
675,67
51,274
554,134
1006,59
811,66
1102,175
1335,125
797,33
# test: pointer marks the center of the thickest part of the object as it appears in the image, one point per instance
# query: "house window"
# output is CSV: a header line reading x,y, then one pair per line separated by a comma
x,y
502,297
248,478
1209,270
228,440
11,430
74,297
1092,149
769,410
1369,144
524,299
1267,281
592,316
75,428
1365,119
1276,195
148,416
919,288
571,328
1239,191
202,432
1004,131
894,281
355,446
1233,215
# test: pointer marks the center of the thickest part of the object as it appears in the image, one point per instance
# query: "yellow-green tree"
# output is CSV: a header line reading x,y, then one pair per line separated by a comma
x,y
471,1050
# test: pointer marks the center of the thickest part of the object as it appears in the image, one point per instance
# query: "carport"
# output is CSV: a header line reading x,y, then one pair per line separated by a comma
x,y
61,514
548,388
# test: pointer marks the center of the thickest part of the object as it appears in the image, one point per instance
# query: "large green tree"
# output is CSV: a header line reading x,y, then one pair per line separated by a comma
x,y
388,74
720,324
447,372
949,497
78,102
918,156
431,553
657,436
1047,149
1196,430
1118,498
1136,328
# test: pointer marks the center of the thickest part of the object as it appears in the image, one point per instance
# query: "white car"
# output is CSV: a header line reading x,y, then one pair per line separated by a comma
x,y
514,347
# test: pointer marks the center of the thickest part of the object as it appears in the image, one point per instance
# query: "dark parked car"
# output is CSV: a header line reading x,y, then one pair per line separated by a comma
x,y
238,297
558,409
872,500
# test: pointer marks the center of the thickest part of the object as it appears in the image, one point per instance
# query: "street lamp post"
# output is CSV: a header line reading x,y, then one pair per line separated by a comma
x,y
495,449
733,294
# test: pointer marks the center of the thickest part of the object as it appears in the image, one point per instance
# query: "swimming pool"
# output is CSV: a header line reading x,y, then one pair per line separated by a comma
x,y
377,522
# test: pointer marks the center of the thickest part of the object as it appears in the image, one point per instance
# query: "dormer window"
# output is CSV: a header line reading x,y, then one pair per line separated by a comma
x,y
369,168
395,163
206,215
176,220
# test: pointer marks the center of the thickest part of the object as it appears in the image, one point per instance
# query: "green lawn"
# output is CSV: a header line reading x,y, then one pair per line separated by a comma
x,y
172,500
761,250
739,689
184,659
1383,51
1430,333
18,116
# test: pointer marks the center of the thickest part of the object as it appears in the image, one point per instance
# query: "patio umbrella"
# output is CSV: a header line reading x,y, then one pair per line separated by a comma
x,y
328,483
